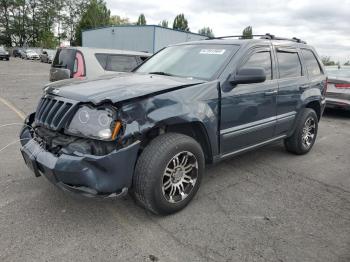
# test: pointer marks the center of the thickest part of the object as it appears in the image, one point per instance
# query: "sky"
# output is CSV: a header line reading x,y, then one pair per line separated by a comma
x,y
325,24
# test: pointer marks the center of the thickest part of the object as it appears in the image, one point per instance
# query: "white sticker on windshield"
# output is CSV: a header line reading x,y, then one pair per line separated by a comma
x,y
212,51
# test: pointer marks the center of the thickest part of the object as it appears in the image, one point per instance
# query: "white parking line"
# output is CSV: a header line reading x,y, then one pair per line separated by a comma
x,y
13,108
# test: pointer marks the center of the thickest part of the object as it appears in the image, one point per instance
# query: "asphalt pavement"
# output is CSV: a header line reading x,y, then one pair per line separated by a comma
x,y
265,205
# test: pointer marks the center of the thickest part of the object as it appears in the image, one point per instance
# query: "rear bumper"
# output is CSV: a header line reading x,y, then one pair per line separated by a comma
x,y
338,103
88,175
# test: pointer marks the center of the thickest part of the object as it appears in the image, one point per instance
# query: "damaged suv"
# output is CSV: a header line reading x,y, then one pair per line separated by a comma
x,y
151,132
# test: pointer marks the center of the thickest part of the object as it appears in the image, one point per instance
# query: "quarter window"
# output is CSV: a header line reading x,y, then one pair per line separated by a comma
x,y
102,59
312,65
289,64
261,59
119,63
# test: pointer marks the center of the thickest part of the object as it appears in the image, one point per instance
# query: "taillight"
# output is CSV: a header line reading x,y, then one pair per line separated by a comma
x,y
325,86
343,86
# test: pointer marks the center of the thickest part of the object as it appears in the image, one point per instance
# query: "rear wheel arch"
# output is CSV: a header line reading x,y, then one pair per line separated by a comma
x,y
316,106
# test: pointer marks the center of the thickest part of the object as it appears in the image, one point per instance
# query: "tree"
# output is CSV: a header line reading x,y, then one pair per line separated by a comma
x,y
164,23
326,60
247,33
347,63
141,20
207,31
97,14
5,33
69,17
117,20
181,23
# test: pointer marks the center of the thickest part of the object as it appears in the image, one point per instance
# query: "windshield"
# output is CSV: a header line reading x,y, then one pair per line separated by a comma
x,y
342,72
191,61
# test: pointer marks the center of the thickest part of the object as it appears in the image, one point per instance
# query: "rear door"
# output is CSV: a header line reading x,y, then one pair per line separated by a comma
x,y
292,82
314,69
248,111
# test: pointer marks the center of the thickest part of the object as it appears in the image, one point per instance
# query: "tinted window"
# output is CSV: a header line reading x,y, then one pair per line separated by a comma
x,y
289,64
102,59
119,63
312,65
261,59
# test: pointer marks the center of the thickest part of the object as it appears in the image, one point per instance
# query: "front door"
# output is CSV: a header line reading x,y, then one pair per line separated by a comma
x,y
248,111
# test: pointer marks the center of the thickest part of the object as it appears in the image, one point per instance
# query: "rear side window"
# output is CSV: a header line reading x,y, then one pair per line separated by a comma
x,y
120,63
261,59
289,64
102,59
313,67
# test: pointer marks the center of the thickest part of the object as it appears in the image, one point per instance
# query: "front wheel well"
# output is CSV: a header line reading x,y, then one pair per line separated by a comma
x,y
315,105
196,130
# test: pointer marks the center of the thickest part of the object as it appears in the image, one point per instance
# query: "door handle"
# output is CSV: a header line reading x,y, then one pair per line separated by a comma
x,y
303,87
270,93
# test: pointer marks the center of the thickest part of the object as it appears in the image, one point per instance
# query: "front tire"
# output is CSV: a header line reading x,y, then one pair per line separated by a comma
x,y
304,136
168,173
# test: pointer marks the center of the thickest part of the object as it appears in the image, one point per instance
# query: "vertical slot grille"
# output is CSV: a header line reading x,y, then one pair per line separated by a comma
x,y
53,113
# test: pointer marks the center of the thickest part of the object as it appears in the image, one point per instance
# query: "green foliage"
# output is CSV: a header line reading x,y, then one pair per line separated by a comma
x,y
35,22
206,31
141,20
117,20
326,60
96,15
347,63
164,23
181,23
247,33
48,40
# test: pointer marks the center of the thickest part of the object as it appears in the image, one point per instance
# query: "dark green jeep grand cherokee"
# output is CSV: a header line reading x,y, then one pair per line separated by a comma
x,y
151,132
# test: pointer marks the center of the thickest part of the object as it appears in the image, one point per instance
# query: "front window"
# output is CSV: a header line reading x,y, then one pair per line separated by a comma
x,y
261,59
190,61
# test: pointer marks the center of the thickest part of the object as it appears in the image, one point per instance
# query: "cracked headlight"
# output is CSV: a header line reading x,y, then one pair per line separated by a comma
x,y
96,123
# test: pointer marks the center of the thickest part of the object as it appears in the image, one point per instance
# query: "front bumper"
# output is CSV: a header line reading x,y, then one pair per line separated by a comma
x,y
88,175
4,56
338,103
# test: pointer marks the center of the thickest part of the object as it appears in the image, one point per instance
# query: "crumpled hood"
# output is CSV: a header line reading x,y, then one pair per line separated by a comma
x,y
117,87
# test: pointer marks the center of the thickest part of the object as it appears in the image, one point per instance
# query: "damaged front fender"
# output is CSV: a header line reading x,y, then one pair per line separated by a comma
x,y
196,104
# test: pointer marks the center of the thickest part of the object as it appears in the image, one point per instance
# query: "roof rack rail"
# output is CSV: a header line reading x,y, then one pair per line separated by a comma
x,y
233,36
265,36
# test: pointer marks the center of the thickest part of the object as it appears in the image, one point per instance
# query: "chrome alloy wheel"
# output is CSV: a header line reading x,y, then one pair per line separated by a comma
x,y
180,177
309,131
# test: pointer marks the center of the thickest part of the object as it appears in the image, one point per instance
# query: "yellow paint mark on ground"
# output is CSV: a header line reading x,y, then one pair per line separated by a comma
x,y
13,108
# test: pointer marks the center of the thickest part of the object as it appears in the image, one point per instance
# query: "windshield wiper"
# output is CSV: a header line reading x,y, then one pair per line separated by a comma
x,y
161,73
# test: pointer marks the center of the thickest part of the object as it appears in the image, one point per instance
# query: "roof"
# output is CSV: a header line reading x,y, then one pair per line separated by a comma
x,y
109,51
135,26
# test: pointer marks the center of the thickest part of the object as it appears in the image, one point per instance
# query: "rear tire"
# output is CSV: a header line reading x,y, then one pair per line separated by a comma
x,y
304,136
168,173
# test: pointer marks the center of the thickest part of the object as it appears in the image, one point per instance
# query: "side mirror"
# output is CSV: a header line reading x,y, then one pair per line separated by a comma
x,y
248,75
